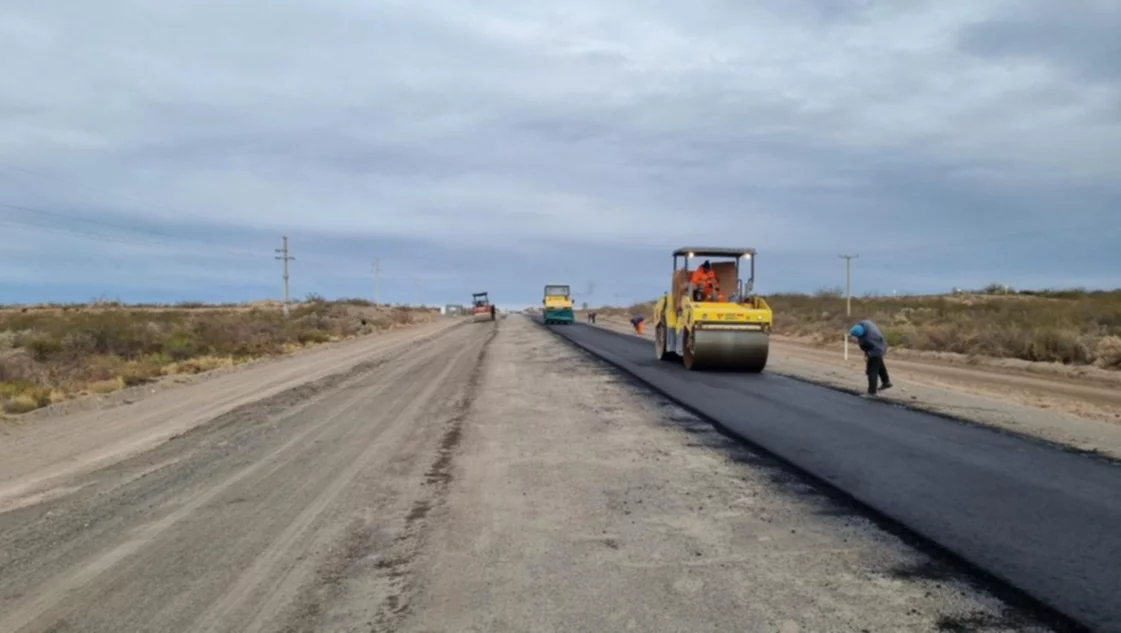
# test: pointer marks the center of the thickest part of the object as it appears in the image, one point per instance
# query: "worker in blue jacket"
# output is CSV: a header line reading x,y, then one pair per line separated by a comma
x,y
872,343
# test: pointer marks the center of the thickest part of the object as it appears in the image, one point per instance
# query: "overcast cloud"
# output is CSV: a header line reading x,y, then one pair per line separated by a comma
x,y
158,150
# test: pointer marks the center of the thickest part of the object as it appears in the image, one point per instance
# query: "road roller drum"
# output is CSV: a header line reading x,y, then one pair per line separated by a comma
x,y
727,350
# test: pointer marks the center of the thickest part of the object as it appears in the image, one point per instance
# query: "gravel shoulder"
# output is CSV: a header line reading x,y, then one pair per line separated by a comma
x,y
1082,415
579,502
253,513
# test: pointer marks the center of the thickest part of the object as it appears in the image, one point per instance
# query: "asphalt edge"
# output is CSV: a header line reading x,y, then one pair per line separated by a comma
x,y
919,408
995,585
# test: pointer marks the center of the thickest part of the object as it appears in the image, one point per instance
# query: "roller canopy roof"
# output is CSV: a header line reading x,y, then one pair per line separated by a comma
x,y
709,251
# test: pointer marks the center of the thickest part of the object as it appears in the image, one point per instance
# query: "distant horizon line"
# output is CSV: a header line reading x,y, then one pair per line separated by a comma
x,y
992,290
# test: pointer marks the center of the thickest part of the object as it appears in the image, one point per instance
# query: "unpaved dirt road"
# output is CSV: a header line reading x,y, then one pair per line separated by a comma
x,y
245,523
484,477
38,452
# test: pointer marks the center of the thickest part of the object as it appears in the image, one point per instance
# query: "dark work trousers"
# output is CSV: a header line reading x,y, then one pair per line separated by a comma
x,y
876,369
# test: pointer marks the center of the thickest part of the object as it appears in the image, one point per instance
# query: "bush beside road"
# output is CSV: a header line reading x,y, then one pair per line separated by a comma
x,y
54,352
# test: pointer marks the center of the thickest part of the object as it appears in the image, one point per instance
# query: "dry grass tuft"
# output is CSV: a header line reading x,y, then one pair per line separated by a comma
x,y
49,353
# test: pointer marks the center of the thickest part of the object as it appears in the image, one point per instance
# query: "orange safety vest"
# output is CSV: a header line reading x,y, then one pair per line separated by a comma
x,y
701,278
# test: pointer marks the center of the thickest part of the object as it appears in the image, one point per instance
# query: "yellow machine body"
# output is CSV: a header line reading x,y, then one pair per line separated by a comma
x,y
558,305
730,335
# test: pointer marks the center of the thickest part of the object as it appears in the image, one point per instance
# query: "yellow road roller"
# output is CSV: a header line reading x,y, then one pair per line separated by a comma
x,y
711,318
558,305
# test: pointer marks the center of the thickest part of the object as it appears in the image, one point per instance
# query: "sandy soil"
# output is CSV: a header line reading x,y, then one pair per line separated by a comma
x,y
484,477
1085,416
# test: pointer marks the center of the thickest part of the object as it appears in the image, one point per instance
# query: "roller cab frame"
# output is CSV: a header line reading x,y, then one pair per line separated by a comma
x,y
481,307
732,334
558,305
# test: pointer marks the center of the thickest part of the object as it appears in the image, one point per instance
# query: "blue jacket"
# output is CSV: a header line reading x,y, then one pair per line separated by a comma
x,y
870,338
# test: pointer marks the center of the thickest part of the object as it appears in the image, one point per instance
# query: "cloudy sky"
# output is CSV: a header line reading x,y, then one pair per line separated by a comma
x,y
159,150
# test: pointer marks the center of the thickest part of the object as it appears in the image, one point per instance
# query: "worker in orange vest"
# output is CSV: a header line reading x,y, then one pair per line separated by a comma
x,y
703,280
637,322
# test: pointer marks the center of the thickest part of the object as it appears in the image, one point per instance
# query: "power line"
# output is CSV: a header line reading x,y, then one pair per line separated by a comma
x,y
168,239
97,237
143,241
72,182
138,237
97,222
86,220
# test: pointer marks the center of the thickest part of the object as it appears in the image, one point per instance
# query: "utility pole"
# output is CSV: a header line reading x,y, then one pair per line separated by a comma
x,y
285,258
377,279
848,294
416,284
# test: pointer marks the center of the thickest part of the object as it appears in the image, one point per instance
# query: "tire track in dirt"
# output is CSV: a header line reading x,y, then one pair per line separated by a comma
x,y
397,564
264,567
266,467
180,457
238,514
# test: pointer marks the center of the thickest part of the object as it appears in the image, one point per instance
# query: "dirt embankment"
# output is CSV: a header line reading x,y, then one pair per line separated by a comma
x,y
51,354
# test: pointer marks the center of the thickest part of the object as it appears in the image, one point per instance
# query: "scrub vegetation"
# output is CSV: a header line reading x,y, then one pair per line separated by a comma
x,y
1074,327
49,353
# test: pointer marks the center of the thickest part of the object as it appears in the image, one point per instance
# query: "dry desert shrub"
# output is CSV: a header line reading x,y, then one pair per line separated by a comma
x,y
47,353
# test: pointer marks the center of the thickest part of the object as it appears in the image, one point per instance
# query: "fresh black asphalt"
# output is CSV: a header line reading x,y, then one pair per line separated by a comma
x,y
1043,520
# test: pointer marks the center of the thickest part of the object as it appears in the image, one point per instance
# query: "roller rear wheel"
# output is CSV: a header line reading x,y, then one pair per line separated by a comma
x,y
660,346
690,349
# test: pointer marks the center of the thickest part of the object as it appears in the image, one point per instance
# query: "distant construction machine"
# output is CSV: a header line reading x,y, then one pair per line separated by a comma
x,y
558,305
481,307
709,331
